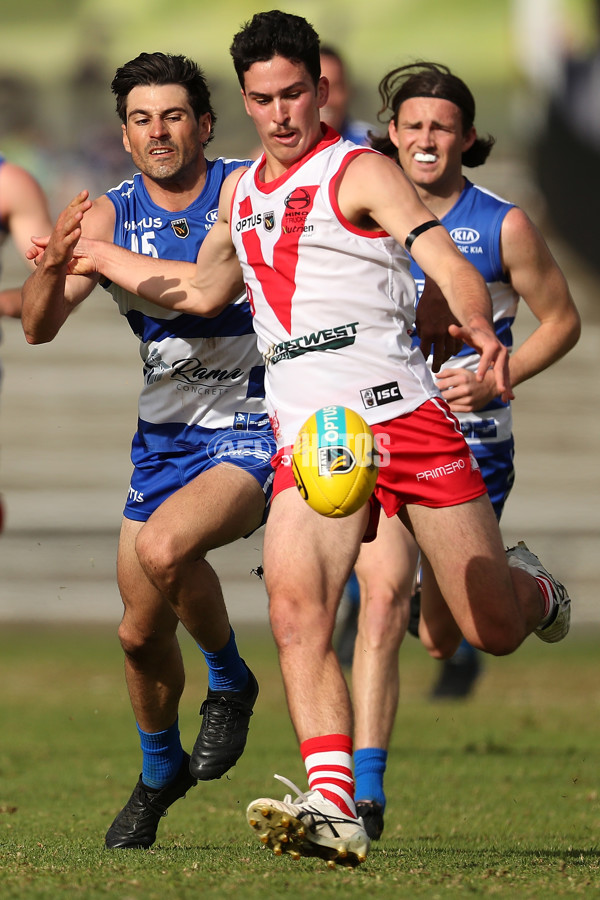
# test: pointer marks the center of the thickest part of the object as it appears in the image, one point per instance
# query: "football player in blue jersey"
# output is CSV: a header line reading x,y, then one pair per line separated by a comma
x,y
201,452
431,133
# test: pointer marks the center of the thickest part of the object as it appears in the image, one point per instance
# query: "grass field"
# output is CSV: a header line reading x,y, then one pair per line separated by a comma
x,y
497,796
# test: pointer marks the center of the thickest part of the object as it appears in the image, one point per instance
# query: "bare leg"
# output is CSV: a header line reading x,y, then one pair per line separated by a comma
x,y
438,631
218,507
494,607
153,664
164,578
385,570
307,560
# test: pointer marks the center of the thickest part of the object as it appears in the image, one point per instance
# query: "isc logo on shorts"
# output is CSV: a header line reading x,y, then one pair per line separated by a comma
x,y
380,395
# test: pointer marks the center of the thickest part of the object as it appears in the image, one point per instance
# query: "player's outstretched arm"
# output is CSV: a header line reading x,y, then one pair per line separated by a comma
x,y
203,288
539,281
376,188
51,293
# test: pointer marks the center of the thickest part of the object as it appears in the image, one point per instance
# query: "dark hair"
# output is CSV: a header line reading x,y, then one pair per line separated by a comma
x,y
164,68
426,79
276,33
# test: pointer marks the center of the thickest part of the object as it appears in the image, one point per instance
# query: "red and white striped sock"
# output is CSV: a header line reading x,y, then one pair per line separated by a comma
x,y
328,761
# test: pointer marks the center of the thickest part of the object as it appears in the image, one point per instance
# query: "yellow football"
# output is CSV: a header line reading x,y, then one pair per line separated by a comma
x,y
334,461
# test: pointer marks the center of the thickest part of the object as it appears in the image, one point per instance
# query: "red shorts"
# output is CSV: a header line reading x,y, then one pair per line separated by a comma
x,y
424,460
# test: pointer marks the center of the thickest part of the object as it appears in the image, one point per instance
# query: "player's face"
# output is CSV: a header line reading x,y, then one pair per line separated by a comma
x,y
429,136
284,105
162,134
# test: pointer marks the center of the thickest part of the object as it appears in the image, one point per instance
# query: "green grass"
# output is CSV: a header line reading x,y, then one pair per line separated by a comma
x,y
497,796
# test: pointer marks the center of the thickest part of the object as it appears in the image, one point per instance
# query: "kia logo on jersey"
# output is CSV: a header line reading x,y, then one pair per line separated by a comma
x,y
298,199
464,235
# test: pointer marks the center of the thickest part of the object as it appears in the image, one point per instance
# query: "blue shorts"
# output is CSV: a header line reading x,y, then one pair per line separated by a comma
x,y
157,475
496,462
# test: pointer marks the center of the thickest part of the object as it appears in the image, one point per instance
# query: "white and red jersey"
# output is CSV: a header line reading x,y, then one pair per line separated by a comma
x,y
333,304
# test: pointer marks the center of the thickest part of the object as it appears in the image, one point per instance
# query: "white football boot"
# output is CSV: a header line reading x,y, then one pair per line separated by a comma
x,y
557,627
310,825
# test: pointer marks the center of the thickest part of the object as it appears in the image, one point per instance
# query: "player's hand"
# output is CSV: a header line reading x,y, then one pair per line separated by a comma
x,y
57,248
463,392
433,318
83,261
493,354
36,251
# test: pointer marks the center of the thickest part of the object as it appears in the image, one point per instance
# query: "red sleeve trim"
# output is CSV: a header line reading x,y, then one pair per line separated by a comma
x,y
349,226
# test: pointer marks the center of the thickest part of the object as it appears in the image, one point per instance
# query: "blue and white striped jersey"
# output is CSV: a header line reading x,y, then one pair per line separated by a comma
x,y
474,223
200,374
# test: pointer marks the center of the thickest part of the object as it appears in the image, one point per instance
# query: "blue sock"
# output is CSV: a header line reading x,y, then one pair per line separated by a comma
x,y
226,669
352,590
465,652
369,767
162,755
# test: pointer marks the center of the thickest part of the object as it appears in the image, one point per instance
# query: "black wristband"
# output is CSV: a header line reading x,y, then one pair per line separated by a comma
x,y
419,230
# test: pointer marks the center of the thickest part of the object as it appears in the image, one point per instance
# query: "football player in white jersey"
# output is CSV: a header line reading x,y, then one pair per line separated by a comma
x,y
432,135
203,444
431,480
